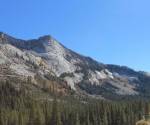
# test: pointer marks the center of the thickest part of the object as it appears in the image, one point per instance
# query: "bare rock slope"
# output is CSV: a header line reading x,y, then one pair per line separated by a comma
x,y
45,56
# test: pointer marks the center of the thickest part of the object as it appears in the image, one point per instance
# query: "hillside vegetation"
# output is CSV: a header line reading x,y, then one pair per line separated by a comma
x,y
19,107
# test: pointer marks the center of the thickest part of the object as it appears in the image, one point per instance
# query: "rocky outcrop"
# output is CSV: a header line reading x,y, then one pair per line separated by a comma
x,y
46,56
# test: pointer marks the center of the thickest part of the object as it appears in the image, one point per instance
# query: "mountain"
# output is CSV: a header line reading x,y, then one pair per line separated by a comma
x,y
48,64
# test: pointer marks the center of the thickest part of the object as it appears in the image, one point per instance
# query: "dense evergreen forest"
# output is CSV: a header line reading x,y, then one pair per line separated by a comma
x,y
17,107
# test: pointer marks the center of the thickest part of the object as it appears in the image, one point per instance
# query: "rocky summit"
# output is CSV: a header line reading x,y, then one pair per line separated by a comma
x,y
45,59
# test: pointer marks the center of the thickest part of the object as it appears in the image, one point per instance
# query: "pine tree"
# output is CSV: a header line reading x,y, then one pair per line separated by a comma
x,y
56,118
21,119
105,119
88,119
77,120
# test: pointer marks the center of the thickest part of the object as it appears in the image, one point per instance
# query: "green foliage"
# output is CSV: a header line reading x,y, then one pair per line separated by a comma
x,y
66,75
19,108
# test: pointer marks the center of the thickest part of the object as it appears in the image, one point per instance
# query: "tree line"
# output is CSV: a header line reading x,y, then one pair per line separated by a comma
x,y
17,107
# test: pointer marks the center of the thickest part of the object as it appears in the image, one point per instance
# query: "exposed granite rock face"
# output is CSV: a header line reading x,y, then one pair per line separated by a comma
x,y
46,55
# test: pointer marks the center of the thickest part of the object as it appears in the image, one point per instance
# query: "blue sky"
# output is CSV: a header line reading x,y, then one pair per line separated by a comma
x,y
110,31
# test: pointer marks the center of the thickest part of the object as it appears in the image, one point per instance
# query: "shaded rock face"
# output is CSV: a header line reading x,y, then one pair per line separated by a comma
x,y
46,55
2,37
